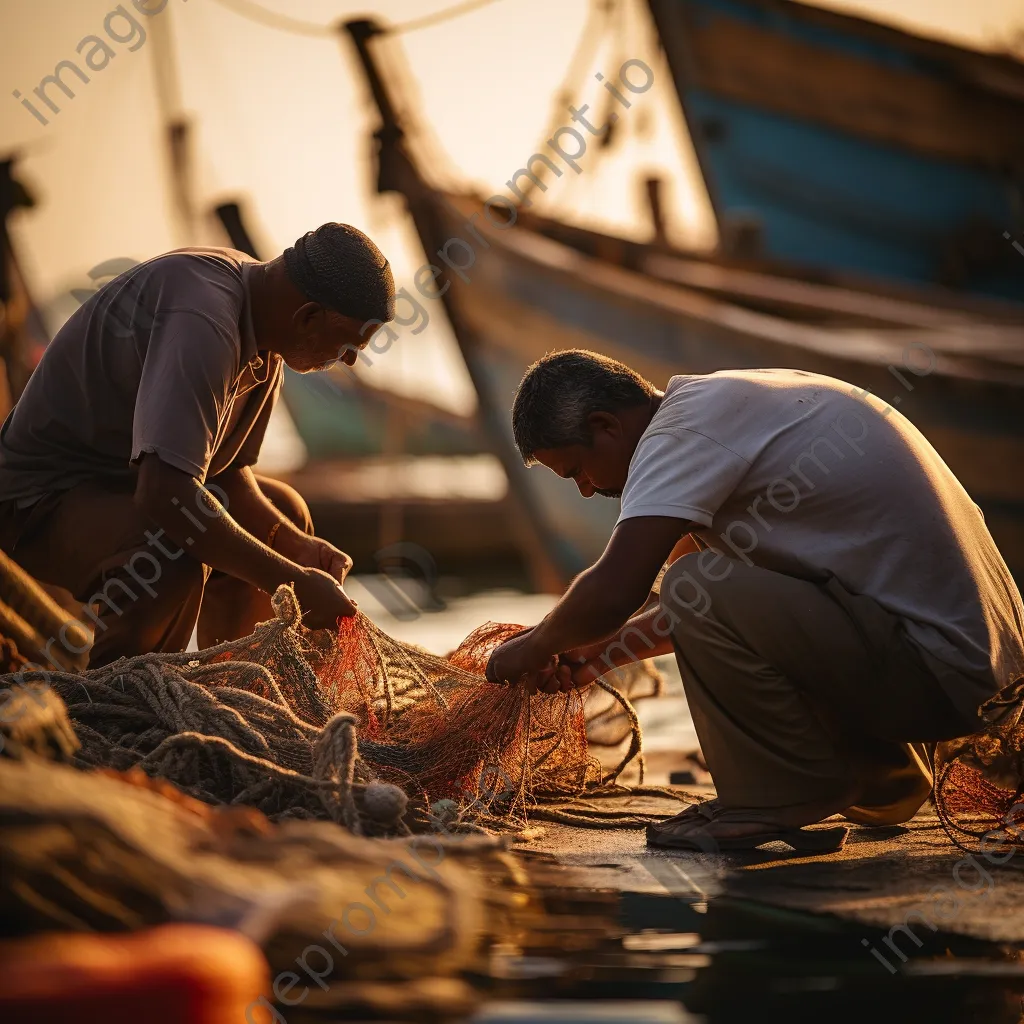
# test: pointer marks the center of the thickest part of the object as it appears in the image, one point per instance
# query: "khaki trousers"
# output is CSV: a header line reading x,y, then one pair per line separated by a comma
x,y
803,693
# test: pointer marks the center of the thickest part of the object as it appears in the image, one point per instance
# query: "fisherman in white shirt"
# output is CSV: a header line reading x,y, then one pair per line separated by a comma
x,y
834,599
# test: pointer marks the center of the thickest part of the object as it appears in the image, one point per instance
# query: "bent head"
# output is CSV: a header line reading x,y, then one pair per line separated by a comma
x,y
320,337
349,292
582,415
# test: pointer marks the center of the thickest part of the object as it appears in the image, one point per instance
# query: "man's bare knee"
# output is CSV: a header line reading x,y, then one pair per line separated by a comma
x,y
288,502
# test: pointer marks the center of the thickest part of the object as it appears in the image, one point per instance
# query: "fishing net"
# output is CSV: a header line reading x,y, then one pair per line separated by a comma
x,y
376,930
358,728
979,779
184,752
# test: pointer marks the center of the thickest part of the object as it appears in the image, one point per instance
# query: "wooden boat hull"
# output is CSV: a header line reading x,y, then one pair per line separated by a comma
x,y
528,295
337,416
520,291
835,143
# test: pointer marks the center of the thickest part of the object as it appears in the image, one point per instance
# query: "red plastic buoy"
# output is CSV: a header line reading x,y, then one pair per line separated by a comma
x,y
174,974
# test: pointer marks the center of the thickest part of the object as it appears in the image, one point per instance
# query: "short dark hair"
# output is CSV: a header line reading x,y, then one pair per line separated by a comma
x,y
560,391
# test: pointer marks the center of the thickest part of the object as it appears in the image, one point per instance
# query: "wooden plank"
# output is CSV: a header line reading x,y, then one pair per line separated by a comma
x,y
997,351
929,305
528,333
997,72
800,296
876,348
774,72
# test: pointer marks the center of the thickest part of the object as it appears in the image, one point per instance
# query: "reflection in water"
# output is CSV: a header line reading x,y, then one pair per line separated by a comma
x,y
727,961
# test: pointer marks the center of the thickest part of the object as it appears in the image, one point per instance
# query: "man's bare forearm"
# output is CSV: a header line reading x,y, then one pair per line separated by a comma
x,y
249,506
600,602
643,636
589,611
646,635
196,520
644,627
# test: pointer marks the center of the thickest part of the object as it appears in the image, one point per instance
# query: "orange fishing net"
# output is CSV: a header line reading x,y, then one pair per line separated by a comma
x,y
357,727
979,779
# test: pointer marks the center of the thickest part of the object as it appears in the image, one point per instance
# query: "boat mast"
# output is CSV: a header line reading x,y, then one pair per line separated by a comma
x,y
20,322
397,172
177,130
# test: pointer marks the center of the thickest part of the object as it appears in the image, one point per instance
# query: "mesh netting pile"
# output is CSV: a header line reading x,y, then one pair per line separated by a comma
x,y
361,729
979,779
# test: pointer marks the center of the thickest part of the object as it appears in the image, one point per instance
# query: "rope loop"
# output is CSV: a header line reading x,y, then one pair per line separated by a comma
x,y
286,605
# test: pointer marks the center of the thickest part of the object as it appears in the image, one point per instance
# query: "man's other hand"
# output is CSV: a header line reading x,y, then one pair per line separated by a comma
x,y
322,600
556,678
585,673
516,660
314,553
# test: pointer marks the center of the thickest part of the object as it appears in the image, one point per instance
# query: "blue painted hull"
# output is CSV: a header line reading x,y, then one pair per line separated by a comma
x,y
538,285
823,191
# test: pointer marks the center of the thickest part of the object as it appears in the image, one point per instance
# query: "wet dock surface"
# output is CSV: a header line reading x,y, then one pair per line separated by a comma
x,y
728,960
875,880
899,925
764,936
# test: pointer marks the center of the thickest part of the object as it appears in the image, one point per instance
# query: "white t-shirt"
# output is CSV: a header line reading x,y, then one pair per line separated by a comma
x,y
804,474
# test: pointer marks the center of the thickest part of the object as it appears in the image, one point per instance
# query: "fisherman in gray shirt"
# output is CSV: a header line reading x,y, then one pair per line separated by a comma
x,y
126,467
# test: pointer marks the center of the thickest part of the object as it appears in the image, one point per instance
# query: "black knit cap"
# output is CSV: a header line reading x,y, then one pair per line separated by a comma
x,y
340,267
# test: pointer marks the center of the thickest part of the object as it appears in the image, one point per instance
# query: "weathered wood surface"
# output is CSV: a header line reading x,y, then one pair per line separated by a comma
x,y
812,301
883,878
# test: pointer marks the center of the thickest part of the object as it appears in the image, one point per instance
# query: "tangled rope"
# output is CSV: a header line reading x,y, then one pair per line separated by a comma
x,y
356,728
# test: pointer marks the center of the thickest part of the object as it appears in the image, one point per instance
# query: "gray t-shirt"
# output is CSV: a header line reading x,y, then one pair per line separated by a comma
x,y
805,475
162,359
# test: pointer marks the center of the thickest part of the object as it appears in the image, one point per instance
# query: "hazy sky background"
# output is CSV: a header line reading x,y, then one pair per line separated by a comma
x,y
282,121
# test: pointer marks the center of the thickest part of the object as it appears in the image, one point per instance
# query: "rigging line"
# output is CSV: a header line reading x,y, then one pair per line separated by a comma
x,y
445,14
598,23
285,23
280,22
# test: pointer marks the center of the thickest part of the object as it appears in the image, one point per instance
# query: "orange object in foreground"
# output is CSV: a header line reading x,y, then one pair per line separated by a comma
x,y
174,974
